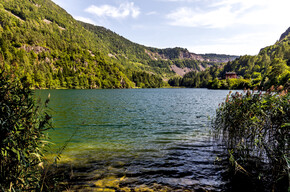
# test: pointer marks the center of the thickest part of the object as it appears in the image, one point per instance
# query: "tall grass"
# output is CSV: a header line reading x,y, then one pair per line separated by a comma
x,y
255,128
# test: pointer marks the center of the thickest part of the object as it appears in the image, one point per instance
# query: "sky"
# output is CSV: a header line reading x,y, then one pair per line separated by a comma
x,y
236,27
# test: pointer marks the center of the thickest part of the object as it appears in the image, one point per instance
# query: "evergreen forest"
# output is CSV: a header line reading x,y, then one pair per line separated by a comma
x,y
40,40
271,67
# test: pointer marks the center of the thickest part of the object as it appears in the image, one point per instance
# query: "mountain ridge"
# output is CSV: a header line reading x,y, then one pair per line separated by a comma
x,y
41,40
285,34
155,53
271,67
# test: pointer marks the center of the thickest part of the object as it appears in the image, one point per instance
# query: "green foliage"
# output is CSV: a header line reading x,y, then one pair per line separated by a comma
x,y
196,79
146,80
131,55
220,57
270,67
22,126
175,82
255,128
40,40
171,53
230,84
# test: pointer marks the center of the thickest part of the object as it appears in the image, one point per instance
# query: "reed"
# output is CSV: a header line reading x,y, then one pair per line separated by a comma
x,y
22,135
255,127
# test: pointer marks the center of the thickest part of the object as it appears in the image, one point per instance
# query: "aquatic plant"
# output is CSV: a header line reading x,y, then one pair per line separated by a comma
x,y
255,129
22,138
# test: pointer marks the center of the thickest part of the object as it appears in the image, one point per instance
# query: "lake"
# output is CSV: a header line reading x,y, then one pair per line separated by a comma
x,y
143,136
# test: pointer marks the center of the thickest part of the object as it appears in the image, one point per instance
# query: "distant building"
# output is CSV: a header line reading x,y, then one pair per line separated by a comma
x,y
231,75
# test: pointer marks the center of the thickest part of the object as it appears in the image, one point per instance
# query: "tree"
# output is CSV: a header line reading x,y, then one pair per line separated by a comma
x,y
278,68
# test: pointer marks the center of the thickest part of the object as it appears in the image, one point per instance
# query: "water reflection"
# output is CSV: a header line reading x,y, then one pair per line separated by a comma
x,y
152,136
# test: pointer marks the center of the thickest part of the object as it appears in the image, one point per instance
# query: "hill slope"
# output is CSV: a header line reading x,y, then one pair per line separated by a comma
x,y
270,67
153,59
285,34
42,41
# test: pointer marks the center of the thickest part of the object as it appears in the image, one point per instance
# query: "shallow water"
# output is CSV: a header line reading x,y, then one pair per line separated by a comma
x,y
150,136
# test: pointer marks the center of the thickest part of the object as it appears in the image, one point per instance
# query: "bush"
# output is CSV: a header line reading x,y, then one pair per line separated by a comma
x,y
22,126
255,129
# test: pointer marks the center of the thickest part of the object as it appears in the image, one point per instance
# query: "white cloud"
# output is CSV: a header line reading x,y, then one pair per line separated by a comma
x,y
195,18
85,19
223,49
138,27
152,13
124,10
249,43
226,13
181,0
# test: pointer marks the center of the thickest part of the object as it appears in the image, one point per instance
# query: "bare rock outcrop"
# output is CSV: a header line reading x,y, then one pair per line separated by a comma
x,y
285,34
37,49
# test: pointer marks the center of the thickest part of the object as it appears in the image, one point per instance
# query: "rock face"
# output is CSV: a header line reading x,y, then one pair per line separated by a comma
x,y
187,55
36,49
181,53
287,32
155,55
180,71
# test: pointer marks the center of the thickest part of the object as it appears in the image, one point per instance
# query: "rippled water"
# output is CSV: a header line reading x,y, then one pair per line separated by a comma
x,y
151,136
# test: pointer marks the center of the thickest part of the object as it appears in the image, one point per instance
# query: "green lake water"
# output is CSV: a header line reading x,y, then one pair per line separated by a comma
x,y
151,136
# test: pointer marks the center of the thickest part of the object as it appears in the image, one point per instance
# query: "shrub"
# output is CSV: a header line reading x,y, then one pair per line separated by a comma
x,y
22,126
255,129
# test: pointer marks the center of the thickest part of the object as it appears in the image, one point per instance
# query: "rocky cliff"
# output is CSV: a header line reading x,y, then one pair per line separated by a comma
x,y
286,33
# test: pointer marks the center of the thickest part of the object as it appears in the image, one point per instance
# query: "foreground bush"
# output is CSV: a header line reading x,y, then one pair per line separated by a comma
x,y
255,129
22,127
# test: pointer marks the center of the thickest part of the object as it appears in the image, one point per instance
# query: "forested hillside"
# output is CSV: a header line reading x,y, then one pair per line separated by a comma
x,y
270,67
158,61
40,40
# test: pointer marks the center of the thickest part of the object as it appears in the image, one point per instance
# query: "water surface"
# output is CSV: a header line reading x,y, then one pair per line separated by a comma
x,y
151,136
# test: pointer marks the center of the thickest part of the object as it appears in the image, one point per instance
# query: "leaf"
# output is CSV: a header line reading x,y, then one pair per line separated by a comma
x,y
285,125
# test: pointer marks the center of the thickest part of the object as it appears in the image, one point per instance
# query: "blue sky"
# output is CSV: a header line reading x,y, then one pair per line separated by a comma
x,y
202,26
